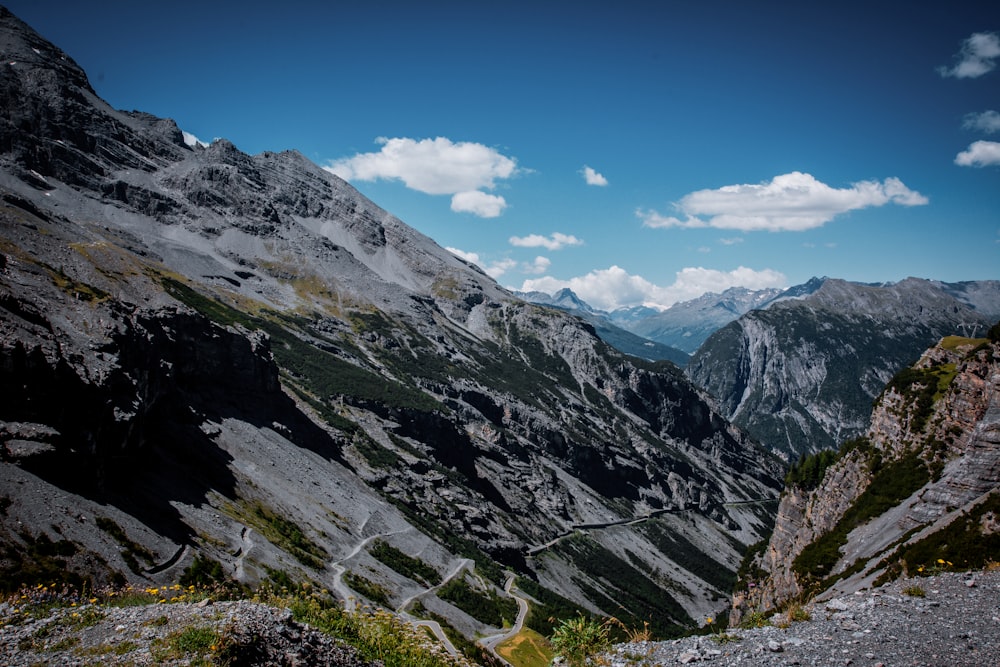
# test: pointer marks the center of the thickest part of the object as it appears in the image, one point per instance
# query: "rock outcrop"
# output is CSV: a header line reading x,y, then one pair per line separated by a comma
x,y
919,492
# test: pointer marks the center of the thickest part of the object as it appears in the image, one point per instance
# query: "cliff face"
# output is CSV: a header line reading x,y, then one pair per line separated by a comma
x,y
800,375
241,357
927,467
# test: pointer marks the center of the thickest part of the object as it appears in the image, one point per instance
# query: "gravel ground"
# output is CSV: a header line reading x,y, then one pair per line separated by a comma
x,y
955,624
244,632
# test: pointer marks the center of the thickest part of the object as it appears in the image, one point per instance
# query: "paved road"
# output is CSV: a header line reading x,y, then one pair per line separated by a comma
x,y
490,643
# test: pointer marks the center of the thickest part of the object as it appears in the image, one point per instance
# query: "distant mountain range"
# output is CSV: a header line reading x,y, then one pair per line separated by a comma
x,y
798,368
801,373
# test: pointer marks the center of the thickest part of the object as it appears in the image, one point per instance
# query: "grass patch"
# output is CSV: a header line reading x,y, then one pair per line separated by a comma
x,y
194,644
964,544
487,607
367,588
279,531
628,592
891,484
526,649
404,564
132,551
544,614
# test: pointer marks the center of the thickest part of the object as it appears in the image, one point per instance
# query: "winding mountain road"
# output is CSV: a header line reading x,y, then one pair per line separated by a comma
x,y
490,643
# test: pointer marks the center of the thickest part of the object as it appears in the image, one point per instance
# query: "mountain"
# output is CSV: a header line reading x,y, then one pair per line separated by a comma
x,y
209,356
686,325
917,493
618,338
800,374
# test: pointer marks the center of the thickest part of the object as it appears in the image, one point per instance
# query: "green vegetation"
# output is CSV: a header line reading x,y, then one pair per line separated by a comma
x,y
547,608
810,469
487,607
279,531
40,561
526,649
920,389
194,644
892,483
688,556
322,372
406,565
750,570
964,544
204,571
576,639
377,635
132,551
636,597
367,588
993,335
754,619
915,591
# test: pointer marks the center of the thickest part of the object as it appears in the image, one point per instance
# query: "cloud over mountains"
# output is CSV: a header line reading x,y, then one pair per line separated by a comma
x,y
790,202
437,167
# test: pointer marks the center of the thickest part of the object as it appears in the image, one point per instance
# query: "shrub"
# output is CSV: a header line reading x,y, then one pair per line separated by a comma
x,y
576,639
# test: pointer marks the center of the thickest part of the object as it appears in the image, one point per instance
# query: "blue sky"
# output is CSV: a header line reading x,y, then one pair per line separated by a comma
x,y
637,152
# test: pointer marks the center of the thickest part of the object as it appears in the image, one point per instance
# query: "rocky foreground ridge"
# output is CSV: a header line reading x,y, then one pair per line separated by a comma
x,y
920,492
211,355
949,620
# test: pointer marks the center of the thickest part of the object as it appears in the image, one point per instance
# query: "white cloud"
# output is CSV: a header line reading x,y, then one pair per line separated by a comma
x,y
614,287
987,121
478,203
732,240
790,202
979,154
977,57
593,178
472,257
436,167
538,266
556,241
494,270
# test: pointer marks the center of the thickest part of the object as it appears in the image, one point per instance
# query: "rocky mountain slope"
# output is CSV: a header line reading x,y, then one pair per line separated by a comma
x,y
800,374
207,353
918,493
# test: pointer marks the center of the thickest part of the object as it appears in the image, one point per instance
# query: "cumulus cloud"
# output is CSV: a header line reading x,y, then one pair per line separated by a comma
x,y
437,167
556,241
790,202
538,266
471,257
493,269
478,203
614,287
498,268
987,121
592,177
979,154
977,57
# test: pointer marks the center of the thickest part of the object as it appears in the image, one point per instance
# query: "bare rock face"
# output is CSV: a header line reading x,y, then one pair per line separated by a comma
x,y
929,463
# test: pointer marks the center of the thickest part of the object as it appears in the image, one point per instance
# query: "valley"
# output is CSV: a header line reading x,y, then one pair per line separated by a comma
x,y
237,369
